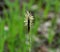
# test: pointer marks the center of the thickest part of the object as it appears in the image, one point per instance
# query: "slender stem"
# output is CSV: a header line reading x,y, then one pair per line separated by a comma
x,y
30,38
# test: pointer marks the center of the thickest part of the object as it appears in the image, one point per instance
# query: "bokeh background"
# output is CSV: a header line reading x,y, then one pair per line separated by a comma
x,y
42,36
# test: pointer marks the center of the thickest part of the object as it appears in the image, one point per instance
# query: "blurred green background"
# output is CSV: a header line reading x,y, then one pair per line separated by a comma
x,y
44,30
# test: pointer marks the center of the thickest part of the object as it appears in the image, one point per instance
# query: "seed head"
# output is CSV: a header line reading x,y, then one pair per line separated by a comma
x,y
29,17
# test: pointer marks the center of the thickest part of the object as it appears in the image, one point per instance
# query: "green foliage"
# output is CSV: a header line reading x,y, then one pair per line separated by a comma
x,y
14,19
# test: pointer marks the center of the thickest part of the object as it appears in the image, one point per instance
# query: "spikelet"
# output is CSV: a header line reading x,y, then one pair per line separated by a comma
x,y
30,17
